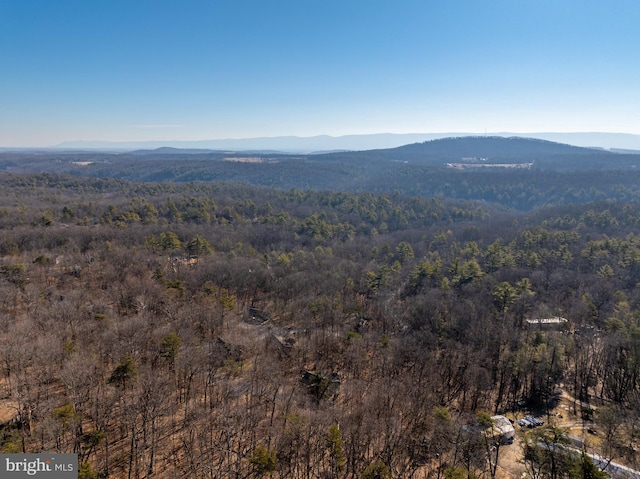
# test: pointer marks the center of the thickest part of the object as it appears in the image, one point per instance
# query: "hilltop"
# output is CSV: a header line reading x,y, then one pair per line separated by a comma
x,y
495,148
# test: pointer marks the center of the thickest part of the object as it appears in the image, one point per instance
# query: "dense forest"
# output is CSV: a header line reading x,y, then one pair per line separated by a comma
x,y
209,329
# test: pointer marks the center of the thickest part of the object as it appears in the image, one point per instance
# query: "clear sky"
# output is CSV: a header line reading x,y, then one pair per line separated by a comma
x,y
191,70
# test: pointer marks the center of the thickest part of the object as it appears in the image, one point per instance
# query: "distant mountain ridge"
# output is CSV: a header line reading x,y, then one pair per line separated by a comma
x,y
492,150
535,153
495,149
491,147
493,169
324,143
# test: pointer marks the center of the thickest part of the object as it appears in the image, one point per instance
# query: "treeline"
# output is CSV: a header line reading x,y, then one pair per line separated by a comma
x,y
215,330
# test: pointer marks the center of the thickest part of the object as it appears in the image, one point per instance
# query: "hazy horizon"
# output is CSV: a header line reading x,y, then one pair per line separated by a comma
x,y
322,143
168,71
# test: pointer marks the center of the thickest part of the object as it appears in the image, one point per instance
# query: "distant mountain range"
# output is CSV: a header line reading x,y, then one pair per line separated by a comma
x,y
325,143
520,173
493,150
490,148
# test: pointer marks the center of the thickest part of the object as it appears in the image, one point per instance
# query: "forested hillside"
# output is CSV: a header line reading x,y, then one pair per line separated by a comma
x,y
560,174
546,154
216,330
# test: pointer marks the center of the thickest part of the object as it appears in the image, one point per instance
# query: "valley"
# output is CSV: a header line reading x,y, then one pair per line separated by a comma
x,y
214,329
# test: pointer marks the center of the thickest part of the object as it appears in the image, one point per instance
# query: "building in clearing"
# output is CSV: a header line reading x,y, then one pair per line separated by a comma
x,y
503,429
478,166
556,322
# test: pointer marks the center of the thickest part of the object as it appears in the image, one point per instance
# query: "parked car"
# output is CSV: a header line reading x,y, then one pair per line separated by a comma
x,y
524,423
535,421
530,421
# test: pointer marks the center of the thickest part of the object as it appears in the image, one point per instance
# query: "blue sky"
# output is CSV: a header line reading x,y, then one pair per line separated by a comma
x,y
190,70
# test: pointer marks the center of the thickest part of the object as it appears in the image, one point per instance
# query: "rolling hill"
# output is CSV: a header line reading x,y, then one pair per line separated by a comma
x,y
544,154
559,174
